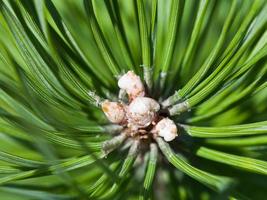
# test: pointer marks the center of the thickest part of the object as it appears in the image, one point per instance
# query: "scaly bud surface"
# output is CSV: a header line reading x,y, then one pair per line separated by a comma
x,y
132,84
114,111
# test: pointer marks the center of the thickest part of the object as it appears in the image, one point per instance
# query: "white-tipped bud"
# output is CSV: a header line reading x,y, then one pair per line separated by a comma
x,y
132,84
142,112
114,111
167,129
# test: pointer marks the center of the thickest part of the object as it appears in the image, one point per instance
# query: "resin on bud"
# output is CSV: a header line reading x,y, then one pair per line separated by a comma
x,y
114,111
142,111
132,84
167,129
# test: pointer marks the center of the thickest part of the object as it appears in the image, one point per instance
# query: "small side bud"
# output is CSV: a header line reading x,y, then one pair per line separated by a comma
x,y
114,111
132,84
167,129
142,112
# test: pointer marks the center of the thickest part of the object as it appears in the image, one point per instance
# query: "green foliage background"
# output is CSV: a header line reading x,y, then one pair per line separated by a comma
x,y
209,55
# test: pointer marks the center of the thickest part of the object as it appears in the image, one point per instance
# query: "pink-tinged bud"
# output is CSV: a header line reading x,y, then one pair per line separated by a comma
x,y
142,112
167,129
132,84
114,111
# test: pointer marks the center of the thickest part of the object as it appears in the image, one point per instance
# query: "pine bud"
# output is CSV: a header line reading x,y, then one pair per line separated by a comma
x,y
114,111
142,112
132,84
167,129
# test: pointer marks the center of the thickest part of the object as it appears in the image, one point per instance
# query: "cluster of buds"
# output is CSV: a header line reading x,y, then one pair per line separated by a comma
x,y
140,113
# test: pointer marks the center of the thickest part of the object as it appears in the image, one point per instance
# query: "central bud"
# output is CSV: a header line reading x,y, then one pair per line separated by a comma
x,y
140,115
142,112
